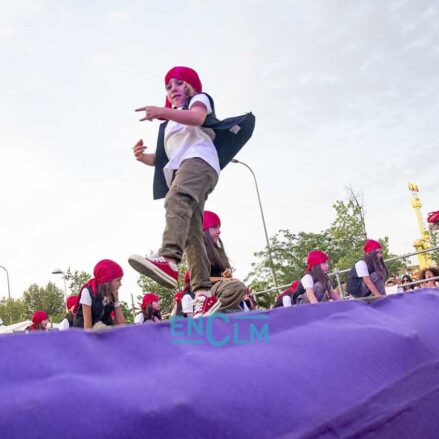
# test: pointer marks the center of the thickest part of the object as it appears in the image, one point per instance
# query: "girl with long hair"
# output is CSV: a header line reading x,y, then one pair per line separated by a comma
x,y
316,281
226,288
150,310
368,275
40,320
99,298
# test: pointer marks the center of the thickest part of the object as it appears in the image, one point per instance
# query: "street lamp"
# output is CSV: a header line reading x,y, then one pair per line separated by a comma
x,y
7,277
59,271
263,220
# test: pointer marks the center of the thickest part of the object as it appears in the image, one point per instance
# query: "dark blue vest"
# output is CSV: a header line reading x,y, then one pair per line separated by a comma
x,y
230,136
355,282
99,312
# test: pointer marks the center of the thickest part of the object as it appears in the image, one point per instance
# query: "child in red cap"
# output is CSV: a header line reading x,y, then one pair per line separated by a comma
x,y
368,275
99,298
67,322
183,300
40,321
226,288
316,282
192,147
150,310
287,298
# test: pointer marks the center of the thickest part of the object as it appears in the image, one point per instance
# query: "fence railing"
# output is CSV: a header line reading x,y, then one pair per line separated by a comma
x,y
337,273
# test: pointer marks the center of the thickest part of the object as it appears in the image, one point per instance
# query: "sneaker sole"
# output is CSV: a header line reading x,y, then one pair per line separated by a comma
x,y
143,266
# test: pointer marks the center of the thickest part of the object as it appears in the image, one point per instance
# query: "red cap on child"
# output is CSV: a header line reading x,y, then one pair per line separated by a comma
x,y
71,301
210,219
39,316
370,245
147,299
315,257
184,74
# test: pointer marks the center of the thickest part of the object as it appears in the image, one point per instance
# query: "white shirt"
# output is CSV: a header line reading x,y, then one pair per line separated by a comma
x,y
307,281
286,301
183,142
361,269
139,319
64,325
86,299
187,304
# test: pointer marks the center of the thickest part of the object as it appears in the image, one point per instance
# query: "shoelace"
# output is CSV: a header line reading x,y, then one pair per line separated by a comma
x,y
199,303
156,258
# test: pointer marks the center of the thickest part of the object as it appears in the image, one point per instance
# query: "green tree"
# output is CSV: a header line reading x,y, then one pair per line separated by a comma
x,y
49,299
13,311
434,233
342,241
75,279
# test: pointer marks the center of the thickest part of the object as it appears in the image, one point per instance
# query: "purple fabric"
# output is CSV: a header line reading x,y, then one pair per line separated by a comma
x,y
347,369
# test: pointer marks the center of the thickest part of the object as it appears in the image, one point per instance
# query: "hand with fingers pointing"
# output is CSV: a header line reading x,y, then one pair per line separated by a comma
x,y
140,155
151,113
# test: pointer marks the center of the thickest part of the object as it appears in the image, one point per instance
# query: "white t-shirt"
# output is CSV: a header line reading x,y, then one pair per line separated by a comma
x,y
64,325
139,319
187,304
307,281
183,142
361,269
286,301
86,299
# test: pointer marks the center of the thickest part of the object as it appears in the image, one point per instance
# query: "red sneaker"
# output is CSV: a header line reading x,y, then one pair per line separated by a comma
x,y
157,268
205,306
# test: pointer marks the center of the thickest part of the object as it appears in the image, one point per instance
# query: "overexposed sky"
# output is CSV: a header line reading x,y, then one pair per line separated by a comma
x,y
344,93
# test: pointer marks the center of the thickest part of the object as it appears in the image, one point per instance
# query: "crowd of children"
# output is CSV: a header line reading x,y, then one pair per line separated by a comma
x,y
193,146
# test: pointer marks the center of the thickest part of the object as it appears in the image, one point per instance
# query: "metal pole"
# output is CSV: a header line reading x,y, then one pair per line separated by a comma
x,y
339,283
263,219
65,288
7,277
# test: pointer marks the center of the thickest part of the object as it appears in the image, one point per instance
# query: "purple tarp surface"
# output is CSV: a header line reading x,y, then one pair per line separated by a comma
x,y
336,370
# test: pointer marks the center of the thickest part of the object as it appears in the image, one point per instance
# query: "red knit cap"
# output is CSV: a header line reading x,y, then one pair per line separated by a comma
x,y
370,245
184,74
39,316
315,257
210,219
147,299
71,301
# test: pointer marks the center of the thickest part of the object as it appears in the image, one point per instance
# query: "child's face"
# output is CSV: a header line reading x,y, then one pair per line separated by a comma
x,y
44,324
325,267
156,305
115,284
214,233
176,92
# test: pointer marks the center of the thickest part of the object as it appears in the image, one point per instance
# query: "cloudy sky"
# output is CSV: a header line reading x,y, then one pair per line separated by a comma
x,y
345,93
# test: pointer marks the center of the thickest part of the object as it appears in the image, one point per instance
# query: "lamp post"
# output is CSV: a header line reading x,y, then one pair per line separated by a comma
x,y
263,219
7,277
59,271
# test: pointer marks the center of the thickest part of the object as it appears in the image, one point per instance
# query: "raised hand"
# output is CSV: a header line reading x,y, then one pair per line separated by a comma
x,y
151,113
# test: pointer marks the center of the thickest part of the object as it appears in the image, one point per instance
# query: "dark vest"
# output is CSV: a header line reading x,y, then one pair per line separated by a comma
x,y
355,282
230,136
99,312
179,305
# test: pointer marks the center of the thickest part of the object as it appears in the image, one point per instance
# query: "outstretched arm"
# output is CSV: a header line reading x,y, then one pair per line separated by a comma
x,y
193,117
